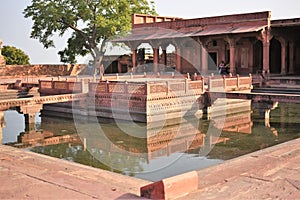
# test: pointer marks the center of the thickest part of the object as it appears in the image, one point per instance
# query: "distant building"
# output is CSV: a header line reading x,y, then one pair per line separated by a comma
x,y
248,43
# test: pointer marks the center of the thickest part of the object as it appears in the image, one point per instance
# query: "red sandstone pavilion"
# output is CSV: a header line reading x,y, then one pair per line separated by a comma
x,y
249,43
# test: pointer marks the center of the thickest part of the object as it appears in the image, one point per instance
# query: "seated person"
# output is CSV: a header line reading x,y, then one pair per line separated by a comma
x,y
221,67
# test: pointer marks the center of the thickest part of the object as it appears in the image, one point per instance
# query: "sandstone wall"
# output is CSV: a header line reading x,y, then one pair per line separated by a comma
x,y
40,70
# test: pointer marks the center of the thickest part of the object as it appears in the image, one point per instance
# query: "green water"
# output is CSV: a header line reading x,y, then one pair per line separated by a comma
x,y
153,153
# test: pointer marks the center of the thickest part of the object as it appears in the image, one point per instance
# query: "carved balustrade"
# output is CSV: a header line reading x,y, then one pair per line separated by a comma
x,y
228,84
60,87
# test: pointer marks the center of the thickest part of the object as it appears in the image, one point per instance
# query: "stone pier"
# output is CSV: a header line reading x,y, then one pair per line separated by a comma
x,y
2,125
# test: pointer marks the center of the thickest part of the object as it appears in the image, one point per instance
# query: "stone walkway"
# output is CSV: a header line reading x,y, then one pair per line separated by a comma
x,y
272,173
26,175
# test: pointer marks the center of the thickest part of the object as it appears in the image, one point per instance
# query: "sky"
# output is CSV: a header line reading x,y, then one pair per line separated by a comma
x,y
15,29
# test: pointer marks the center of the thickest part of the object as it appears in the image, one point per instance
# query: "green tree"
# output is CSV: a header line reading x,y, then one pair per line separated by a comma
x,y
92,23
15,56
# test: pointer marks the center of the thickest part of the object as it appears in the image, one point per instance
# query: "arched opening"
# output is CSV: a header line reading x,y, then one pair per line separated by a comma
x,y
170,59
275,56
144,57
258,57
144,53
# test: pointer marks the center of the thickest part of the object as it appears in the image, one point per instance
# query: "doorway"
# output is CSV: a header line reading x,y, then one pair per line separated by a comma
x,y
212,60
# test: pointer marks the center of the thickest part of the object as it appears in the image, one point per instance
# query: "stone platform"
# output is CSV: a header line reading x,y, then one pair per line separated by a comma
x,y
26,175
272,173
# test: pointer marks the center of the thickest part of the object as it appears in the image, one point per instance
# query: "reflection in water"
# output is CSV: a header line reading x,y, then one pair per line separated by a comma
x,y
157,152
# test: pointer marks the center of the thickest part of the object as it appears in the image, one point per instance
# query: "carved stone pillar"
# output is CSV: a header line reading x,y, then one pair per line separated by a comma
x,y
29,112
223,51
134,59
283,56
133,46
164,47
164,57
266,37
292,57
266,56
29,122
283,59
203,42
155,59
204,60
178,59
232,48
155,46
251,55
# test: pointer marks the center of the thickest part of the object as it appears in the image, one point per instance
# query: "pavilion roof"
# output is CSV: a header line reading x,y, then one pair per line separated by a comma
x,y
156,33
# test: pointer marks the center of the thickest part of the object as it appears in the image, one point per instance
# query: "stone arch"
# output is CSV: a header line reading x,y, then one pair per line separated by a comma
x,y
275,56
258,56
144,55
170,57
145,52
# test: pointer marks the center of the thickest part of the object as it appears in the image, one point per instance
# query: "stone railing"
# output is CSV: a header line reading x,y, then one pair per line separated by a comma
x,y
229,84
175,88
134,76
151,89
121,87
51,87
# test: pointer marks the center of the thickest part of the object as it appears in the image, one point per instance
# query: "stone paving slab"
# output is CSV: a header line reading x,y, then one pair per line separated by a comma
x,y
26,175
272,173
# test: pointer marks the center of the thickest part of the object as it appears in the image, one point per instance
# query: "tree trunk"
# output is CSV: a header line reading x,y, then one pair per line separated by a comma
x,y
97,65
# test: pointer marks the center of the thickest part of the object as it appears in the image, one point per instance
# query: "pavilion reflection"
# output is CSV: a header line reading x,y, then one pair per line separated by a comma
x,y
128,146
151,143
45,138
239,123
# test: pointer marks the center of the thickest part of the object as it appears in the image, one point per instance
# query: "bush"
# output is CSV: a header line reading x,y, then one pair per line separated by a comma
x,y
15,56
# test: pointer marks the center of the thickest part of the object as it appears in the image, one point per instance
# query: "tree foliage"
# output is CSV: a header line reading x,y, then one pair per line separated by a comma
x,y
14,56
92,23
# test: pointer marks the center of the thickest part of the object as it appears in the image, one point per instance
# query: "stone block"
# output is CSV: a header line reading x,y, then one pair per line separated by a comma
x,y
171,188
2,60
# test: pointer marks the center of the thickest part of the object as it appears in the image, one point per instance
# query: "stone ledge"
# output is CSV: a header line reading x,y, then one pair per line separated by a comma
x,y
171,188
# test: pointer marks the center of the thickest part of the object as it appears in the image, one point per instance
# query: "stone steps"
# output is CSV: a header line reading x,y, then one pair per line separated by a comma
x,y
281,90
16,94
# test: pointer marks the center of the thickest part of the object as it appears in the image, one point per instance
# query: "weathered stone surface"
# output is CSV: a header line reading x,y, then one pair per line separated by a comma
x,y
2,60
26,175
171,188
272,173
39,70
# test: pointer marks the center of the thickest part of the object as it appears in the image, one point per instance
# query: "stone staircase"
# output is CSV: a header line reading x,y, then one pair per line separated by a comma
x,y
278,90
281,85
16,94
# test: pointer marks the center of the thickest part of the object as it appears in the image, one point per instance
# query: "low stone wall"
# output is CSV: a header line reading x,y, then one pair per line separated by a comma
x,y
59,87
228,84
145,101
40,70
